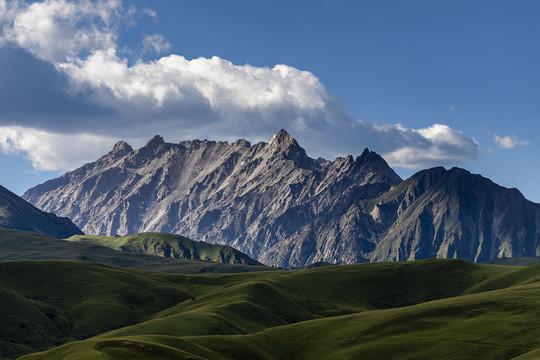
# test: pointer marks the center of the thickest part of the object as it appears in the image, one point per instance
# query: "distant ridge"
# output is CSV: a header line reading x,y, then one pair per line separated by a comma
x,y
283,208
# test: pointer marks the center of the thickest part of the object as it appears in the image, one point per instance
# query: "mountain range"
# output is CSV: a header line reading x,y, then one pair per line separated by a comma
x,y
283,208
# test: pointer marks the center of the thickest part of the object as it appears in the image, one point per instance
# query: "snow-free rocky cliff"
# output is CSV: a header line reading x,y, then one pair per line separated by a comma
x,y
283,208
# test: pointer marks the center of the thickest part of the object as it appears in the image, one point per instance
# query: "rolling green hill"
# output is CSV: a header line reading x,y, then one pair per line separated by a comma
x,y
444,309
22,245
169,245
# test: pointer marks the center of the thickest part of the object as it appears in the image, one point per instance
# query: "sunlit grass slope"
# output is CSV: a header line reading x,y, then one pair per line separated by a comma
x,y
444,309
169,245
23,245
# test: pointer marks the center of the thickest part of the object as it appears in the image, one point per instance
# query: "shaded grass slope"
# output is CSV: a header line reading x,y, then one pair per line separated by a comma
x,y
47,303
23,245
169,245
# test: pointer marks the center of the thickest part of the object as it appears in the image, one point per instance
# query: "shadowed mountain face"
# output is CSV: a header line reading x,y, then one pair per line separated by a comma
x,y
16,213
283,208
455,214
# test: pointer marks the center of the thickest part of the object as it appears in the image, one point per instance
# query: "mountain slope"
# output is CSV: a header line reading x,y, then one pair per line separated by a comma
x,y
453,213
16,213
268,200
170,246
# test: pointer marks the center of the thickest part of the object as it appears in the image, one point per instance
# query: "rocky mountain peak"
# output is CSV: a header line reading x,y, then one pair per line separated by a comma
x,y
261,198
155,141
368,155
365,152
153,147
284,146
121,148
282,140
242,143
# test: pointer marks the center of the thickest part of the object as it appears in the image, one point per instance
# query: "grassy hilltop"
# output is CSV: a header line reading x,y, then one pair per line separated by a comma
x,y
444,309
170,246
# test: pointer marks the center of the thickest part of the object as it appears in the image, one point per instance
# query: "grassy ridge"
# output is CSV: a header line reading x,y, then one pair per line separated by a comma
x,y
423,309
23,245
169,245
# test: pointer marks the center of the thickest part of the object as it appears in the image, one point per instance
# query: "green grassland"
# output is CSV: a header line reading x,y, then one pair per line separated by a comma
x,y
65,305
432,309
169,245
23,245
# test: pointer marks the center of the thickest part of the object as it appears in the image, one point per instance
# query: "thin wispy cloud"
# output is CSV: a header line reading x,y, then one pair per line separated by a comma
x,y
155,44
509,142
75,44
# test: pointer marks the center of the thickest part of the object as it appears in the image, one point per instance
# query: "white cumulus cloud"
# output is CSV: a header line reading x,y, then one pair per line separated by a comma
x,y
182,98
437,144
53,151
57,30
509,142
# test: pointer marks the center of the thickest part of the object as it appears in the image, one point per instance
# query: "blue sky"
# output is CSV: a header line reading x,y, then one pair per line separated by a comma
x,y
423,83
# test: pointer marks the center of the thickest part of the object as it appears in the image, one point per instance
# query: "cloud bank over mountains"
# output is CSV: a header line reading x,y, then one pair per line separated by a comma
x,y
81,87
